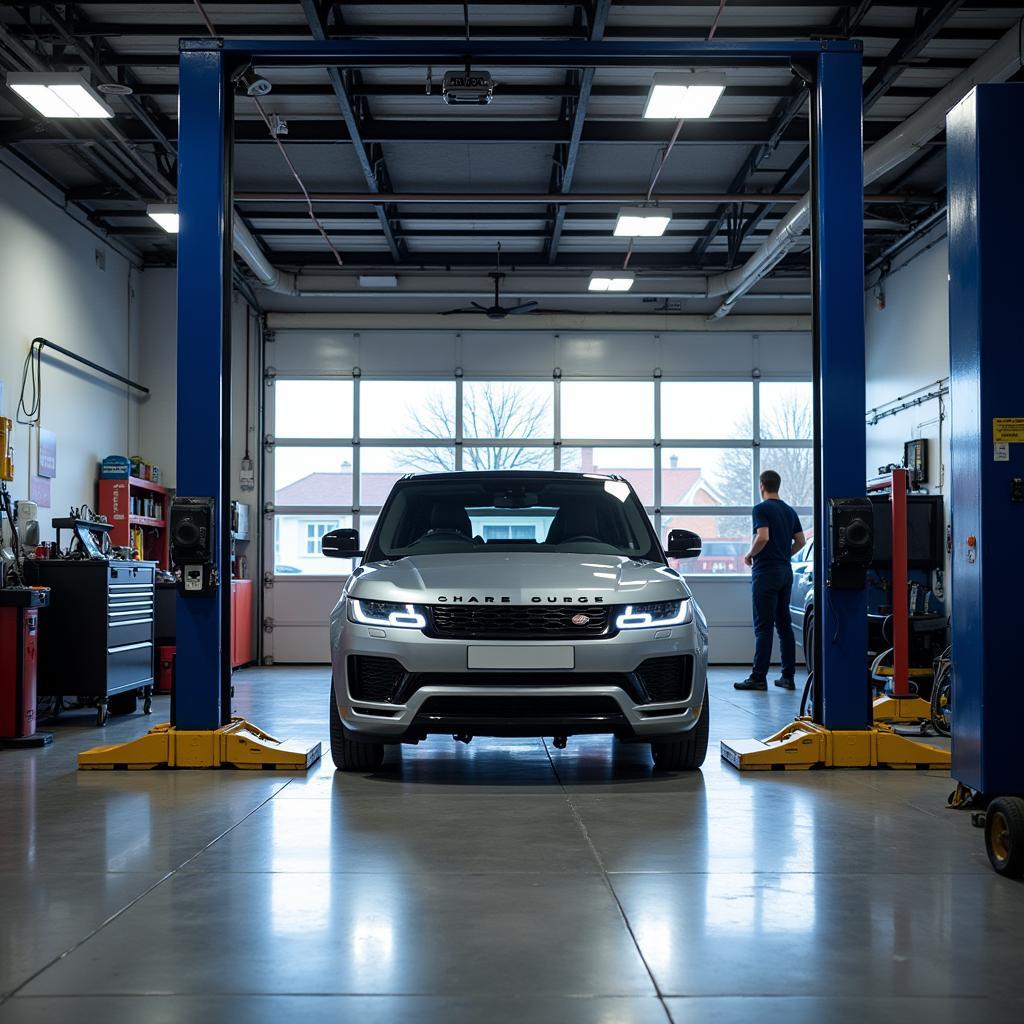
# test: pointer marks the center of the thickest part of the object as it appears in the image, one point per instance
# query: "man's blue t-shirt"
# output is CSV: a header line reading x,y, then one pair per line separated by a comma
x,y
783,525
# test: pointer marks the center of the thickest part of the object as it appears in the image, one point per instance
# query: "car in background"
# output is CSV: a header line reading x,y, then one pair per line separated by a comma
x,y
578,625
801,600
718,556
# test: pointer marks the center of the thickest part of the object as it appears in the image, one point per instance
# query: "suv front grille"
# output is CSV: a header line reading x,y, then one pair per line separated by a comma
x,y
666,679
516,622
373,678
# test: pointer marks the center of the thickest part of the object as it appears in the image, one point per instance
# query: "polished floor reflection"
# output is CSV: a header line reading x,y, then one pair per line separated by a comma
x,y
501,881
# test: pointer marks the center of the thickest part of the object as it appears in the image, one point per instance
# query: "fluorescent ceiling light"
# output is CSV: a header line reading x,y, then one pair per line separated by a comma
x,y
378,281
682,96
610,281
165,214
641,222
59,94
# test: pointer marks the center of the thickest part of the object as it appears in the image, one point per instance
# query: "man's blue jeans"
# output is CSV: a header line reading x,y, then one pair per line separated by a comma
x,y
771,587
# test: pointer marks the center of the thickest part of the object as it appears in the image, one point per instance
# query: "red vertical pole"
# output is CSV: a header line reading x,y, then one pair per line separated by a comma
x,y
900,608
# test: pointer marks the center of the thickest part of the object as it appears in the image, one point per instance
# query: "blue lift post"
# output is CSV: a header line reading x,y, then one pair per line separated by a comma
x,y
204,272
985,153
205,118
842,701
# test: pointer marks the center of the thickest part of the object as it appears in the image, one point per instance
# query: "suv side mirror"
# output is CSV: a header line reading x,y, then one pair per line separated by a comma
x,y
340,544
683,544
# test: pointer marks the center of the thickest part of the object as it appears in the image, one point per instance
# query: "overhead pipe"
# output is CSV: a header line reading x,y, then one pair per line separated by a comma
x,y
267,274
995,65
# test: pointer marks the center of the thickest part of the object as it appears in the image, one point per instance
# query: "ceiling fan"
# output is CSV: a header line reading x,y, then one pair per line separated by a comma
x,y
497,311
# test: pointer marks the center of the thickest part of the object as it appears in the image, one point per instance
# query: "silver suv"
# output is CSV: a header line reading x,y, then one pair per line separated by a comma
x,y
516,604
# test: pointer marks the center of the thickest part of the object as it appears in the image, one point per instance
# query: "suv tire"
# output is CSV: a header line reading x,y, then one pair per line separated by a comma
x,y
351,755
686,754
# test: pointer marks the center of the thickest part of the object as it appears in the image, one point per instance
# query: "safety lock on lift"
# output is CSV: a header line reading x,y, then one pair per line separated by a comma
x,y
193,541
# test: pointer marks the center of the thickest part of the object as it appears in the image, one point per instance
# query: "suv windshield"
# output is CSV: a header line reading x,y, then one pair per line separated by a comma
x,y
513,513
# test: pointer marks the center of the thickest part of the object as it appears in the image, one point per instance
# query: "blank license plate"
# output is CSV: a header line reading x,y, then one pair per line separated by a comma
x,y
521,657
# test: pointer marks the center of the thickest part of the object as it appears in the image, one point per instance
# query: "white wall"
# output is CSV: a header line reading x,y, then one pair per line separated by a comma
x,y
159,362
908,348
52,287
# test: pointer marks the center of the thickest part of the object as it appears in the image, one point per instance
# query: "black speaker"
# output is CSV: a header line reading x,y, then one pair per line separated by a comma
x,y
851,524
192,531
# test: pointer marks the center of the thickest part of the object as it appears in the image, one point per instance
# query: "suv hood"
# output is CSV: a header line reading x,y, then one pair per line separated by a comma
x,y
520,578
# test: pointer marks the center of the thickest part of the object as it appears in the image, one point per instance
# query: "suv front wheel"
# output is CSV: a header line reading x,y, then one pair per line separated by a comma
x,y
349,754
686,754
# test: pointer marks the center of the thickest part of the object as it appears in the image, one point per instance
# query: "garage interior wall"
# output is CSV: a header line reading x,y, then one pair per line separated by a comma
x,y
59,280
907,342
159,363
299,606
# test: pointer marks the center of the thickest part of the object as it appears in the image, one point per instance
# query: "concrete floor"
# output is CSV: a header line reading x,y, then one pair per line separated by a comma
x,y
503,881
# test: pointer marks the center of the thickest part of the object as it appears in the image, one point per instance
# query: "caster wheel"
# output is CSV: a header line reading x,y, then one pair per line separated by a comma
x,y
1004,835
147,705
102,713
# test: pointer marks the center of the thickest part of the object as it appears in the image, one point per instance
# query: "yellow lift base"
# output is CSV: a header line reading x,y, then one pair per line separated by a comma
x,y
803,744
912,710
237,745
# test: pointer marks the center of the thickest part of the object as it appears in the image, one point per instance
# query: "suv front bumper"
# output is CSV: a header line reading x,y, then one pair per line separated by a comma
x,y
554,705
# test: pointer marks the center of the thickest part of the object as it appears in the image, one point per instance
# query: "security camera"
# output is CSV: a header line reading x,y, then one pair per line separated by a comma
x,y
258,87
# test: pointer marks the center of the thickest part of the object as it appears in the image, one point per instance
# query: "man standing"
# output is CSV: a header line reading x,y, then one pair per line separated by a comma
x,y
778,536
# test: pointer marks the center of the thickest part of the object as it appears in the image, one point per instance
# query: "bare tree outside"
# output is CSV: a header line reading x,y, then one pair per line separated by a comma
x,y
784,420
491,410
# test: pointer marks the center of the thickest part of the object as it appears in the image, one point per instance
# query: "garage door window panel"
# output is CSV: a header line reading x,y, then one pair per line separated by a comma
x,y
517,410
313,408
312,476
297,544
607,410
724,539
413,409
707,410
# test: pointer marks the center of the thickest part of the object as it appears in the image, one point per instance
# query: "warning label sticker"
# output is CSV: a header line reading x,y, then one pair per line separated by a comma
x,y
1008,430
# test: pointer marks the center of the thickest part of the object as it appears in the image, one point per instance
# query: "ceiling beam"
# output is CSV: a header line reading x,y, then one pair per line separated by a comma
x,y
406,90
565,156
169,59
250,131
785,112
907,49
409,29
372,164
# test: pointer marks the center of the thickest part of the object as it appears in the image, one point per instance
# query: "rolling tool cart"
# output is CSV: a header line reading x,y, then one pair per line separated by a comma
x,y
96,640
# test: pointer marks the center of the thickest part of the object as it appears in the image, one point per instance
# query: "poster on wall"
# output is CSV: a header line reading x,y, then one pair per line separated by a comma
x,y
39,491
47,454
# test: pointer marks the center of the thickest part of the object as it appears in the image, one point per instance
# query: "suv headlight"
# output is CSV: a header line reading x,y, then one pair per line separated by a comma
x,y
654,613
386,613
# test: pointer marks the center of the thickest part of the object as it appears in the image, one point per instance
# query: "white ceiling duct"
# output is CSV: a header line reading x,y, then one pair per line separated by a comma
x,y
903,142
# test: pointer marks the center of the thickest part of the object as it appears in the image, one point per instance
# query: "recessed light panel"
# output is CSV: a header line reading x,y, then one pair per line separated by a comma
x,y
59,95
681,96
610,281
165,214
641,222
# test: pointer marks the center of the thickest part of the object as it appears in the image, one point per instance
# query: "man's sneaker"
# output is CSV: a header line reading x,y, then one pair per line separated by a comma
x,y
750,683
786,683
